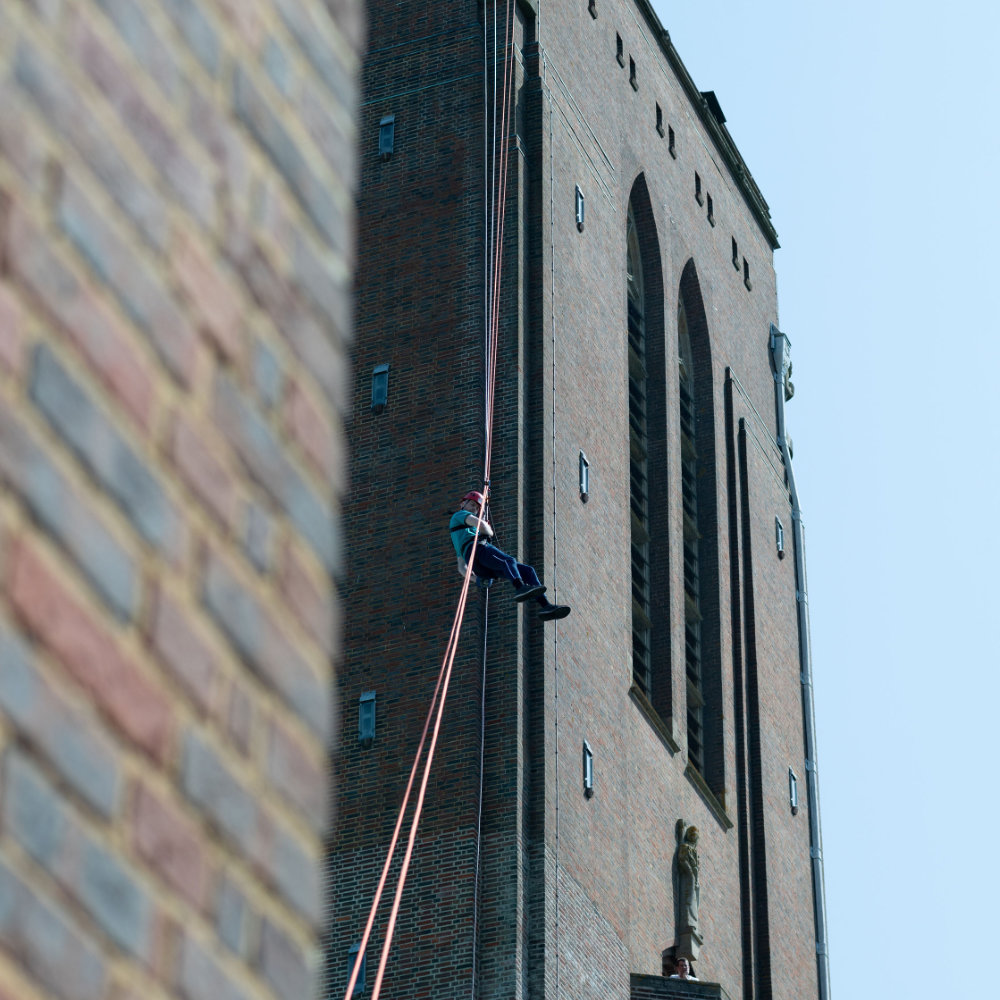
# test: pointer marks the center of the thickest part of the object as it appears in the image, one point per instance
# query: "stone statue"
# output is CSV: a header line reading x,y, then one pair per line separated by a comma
x,y
689,895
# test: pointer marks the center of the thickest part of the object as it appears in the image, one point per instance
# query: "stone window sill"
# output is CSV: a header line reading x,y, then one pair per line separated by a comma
x,y
662,726
716,803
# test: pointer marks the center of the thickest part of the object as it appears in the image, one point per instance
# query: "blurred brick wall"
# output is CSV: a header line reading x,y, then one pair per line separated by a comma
x,y
176,249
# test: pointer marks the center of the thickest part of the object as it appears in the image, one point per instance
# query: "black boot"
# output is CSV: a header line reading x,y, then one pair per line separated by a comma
x,y
525,591
553,612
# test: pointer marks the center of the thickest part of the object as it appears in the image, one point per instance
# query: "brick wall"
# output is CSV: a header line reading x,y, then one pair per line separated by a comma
x,y
176,250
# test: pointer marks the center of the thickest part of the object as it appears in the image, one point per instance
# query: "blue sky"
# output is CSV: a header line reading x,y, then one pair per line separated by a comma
x,y
871,129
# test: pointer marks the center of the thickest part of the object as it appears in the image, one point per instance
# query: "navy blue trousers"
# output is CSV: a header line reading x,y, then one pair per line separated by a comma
x,y
491,562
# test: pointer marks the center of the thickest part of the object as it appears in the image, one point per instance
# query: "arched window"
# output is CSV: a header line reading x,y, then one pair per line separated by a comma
x,y
692,560
649,506
702,652
638,460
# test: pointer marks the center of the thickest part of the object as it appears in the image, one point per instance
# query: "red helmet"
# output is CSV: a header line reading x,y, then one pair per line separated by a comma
x,y
474,495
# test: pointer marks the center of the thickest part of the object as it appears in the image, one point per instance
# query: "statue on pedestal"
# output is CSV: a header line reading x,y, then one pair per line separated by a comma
x,y
689,938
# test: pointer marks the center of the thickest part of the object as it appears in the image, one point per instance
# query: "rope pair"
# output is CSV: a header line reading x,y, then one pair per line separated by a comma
x,y
436,710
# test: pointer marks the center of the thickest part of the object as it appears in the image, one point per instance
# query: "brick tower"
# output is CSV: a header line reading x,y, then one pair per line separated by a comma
x,y
639,463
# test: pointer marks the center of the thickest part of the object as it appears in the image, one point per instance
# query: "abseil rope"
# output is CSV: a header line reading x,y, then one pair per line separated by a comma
x,y
404,871
444,677
493,321
439,697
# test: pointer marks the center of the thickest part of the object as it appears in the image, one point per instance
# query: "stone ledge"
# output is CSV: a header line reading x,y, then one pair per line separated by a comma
x,y
660,988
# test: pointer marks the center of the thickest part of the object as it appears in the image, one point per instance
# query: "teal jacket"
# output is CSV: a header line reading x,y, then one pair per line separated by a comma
x,y
461,533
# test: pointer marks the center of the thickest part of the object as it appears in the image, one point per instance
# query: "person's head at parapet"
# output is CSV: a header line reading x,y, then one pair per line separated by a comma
x,y
682,968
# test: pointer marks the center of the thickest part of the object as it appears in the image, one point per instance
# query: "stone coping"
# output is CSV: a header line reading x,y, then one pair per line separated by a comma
x,y
661,987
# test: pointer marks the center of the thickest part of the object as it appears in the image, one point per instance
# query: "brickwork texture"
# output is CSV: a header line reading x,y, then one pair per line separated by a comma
x,y
177,187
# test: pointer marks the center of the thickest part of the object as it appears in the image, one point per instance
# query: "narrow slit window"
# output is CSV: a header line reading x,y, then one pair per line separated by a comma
x,y
746,274
736,255
380,388
711,210
631,74
671,142
352,957
386,136
619,50
366,718
659,119
592,7
698,196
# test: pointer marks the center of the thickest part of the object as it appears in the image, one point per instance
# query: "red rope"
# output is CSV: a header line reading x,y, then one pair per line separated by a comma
x,y
450,660
395,833
443,675
439,697
498,247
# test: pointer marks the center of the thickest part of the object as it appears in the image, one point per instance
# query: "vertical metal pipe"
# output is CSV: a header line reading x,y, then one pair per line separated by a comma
x,y
780,357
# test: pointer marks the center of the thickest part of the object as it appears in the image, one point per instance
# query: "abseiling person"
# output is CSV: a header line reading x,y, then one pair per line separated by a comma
x,y
491,563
